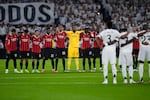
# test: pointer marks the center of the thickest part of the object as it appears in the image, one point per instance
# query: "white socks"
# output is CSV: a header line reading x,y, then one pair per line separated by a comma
x,y
141,70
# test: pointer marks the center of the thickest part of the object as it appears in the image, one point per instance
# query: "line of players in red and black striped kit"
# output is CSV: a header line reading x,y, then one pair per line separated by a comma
x,y
50,45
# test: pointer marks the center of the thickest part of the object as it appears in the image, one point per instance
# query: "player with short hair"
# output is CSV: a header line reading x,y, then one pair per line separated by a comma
x,y
136,46
24,41
144,52
85,47
125,55
48,51
11,49
36,50
110,37
73,49
60,38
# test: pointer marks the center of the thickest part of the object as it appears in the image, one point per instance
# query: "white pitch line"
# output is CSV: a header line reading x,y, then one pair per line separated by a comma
x,y
49,83
48,77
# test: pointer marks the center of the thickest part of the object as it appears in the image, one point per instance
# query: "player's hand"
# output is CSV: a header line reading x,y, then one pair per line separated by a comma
x,y
8,52
145,43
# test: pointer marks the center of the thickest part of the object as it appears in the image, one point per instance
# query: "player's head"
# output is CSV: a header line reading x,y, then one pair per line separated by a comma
x,y
37,32
109,25
87,30
48,30
13,31
134,29
26,31
74,28
60,28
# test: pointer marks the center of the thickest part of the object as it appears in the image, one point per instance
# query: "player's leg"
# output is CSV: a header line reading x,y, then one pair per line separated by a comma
x,y
37,65
64,64
76,55
69,63
58,56
14,56
52,62
89,62
70,55
101,66
83,60
112,58
124,73
7,62
33,62
26,64
141,58
21,65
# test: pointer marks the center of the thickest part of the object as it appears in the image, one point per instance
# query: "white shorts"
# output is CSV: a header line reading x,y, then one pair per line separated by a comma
x,y
109,55
144,53
125,58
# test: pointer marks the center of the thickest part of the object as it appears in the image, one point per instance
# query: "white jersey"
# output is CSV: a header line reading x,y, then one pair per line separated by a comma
x,y
145,38
109,52
144,52
109,35
128,47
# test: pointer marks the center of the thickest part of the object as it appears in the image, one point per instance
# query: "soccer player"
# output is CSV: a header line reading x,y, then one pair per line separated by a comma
x,y
85,47
11,49
48,51
125,56
136,46
96,50
24,41
144,52
60,38
73,49
110,37
36,50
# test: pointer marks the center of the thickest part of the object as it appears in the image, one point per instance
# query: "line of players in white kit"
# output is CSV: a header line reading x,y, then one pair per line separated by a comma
x,y
110,38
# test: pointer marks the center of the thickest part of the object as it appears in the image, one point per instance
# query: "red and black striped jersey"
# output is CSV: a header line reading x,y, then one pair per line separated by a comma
x,y
24,40
136,44
11,42
47,40
36,40
94,35
85,40
60,39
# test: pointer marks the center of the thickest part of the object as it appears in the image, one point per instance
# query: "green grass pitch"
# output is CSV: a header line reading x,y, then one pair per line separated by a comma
x,y
68,86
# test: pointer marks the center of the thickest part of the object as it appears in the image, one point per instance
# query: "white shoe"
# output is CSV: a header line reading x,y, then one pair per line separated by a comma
x,y
114,81
125,81
105,81
33,71
6,71
78,70
16,71
132,81
37,71
101,69
68,70
27,71
135,70
83,70
21,71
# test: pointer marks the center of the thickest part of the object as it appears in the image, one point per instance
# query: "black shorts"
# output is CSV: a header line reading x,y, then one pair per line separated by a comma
x,y
24,54
97,52
12,55
36,55
48,53
61,52
87,53
135,52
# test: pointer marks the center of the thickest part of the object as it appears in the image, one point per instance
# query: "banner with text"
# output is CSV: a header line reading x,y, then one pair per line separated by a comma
x,y
27,13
